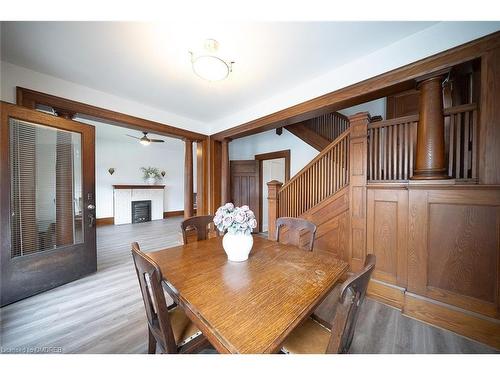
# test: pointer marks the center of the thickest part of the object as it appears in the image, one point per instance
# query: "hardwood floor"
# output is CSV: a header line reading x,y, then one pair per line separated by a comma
x,y
104,313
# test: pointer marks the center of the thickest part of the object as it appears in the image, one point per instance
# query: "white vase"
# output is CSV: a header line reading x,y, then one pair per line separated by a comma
x,y
237,246
150,180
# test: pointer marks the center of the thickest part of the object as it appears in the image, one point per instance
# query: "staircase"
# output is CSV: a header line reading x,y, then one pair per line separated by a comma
x,y
319,192
320,131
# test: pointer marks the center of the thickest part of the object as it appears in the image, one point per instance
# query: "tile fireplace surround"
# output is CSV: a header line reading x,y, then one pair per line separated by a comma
x,y
124,195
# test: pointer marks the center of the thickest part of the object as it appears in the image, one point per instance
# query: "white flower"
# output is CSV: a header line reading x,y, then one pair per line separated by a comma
x,y
245,208
252,223
218,219
229,206
240,217
228,220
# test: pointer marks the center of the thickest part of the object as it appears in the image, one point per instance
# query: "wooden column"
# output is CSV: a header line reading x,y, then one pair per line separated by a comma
x,y
273,207
430,159
225,187
188,178
202,177
358,150
214,175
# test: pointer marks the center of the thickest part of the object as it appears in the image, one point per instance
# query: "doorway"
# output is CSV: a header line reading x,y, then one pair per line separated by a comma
x,y
273,166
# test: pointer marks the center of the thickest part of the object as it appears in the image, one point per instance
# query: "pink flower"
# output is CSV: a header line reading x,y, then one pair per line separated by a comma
x,y
240,217
218,219
229,206
252,223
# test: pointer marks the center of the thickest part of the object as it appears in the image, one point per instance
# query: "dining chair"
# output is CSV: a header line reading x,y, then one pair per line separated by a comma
x,y
296,231
312,337
169,327
200,224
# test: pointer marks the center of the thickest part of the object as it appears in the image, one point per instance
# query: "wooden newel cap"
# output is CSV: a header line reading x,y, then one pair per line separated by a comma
x,y
275,183
359,117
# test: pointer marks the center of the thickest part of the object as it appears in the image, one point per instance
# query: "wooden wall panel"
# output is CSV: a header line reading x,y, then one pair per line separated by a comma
x,y
454,246
463,249
331,218
387,216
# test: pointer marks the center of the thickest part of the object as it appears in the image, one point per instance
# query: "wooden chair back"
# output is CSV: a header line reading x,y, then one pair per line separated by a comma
x,y
352,295
200,224
150,279
299,232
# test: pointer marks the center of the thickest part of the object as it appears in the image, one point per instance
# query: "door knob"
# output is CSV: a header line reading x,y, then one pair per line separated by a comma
x,y
90,206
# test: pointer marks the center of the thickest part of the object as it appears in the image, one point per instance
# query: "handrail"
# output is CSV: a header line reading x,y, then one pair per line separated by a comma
x,y
319,156
393,121
325,175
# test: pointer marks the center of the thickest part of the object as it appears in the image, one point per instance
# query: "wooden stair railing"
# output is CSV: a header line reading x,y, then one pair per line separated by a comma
x,y
326,174
320,131
392,146
329,126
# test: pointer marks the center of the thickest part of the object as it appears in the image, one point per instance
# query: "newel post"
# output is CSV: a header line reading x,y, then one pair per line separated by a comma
x,y
273,188
358,156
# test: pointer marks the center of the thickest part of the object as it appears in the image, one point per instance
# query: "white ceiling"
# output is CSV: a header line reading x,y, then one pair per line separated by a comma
x,y
149,62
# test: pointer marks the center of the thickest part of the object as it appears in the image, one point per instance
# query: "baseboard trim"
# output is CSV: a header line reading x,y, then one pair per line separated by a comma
x,y
104,221
173,213
386,293
460,321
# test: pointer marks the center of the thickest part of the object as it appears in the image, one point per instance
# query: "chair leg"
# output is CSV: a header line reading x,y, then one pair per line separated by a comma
x,y
151,342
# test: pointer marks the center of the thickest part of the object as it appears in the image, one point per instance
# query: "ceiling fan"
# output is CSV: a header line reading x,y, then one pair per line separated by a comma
x,y
145,141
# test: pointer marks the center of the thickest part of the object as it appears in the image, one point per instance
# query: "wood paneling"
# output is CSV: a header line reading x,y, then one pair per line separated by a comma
x,y
465,260
402,104
454,245
331,218
389,83
387,217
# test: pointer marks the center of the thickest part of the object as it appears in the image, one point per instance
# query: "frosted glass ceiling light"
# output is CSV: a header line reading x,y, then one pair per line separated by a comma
x,y
209,66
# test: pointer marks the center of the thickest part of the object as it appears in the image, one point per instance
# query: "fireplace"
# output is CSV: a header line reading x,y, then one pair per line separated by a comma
x,y
141,211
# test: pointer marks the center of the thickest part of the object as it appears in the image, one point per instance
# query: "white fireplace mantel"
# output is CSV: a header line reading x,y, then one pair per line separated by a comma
x,y
124,195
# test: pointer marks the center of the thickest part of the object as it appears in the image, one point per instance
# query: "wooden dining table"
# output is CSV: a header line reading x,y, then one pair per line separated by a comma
x,y
250,306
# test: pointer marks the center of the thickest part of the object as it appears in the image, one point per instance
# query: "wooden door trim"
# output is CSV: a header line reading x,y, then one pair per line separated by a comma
x,y
30,98
392,82
270,156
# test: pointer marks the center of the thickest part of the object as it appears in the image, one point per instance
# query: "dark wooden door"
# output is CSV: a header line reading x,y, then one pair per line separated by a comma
x,y
47,222
245,185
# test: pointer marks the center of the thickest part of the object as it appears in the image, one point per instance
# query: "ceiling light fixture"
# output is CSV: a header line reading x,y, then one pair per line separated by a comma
x,y
208,66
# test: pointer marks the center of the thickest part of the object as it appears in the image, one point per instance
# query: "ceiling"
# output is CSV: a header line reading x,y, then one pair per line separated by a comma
x,y
149,62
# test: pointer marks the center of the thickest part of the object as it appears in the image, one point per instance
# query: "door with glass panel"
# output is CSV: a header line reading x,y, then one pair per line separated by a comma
x,y
47,220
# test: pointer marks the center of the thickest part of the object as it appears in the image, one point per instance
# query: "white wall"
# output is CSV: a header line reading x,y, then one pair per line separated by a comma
x,y
246,148
432,40
375,107
127,158
13,75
